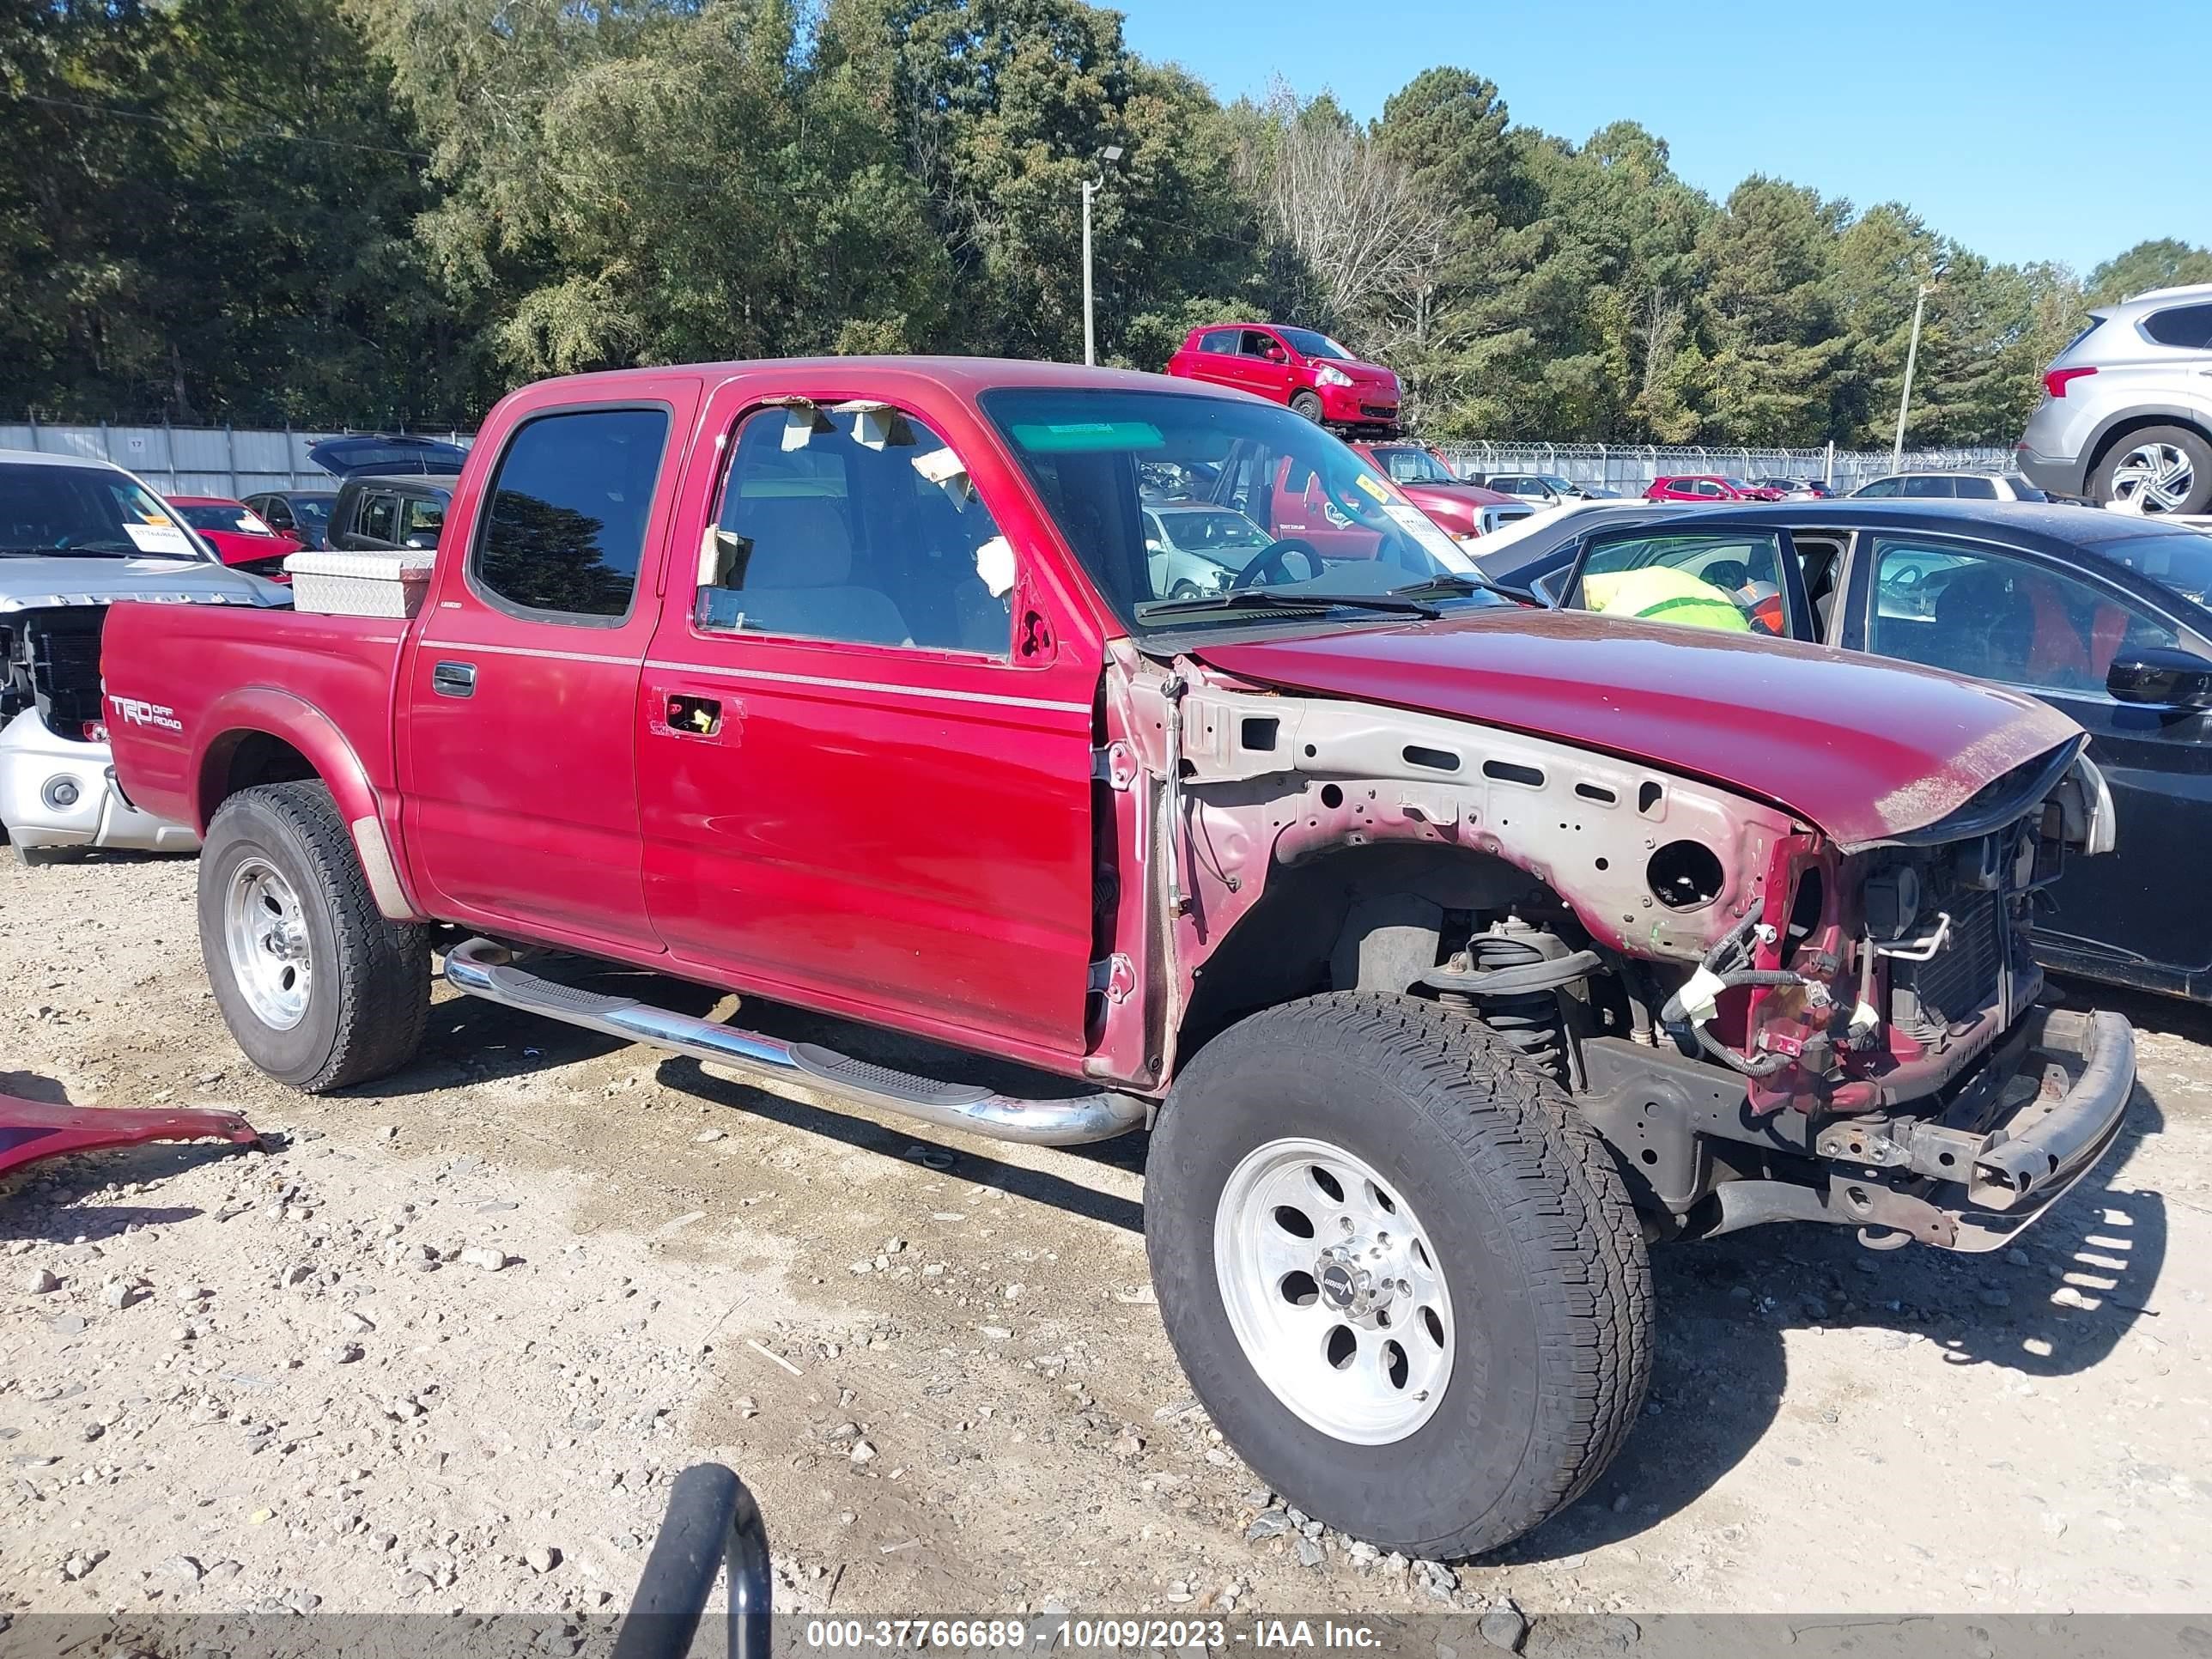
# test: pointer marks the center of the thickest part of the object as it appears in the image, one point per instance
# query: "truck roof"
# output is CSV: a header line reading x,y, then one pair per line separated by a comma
x,y
963,376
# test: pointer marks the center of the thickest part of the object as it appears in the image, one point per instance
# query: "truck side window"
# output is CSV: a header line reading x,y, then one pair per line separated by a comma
x,y
861,526
564,524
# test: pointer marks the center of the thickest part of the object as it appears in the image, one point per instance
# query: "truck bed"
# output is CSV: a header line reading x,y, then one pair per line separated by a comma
x,y
227,669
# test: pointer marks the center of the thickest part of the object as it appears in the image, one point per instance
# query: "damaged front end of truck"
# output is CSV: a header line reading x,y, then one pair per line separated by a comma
x,y
1767,1017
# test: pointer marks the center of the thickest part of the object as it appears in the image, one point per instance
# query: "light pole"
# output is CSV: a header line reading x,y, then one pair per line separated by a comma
x,y
1905,398
1110,154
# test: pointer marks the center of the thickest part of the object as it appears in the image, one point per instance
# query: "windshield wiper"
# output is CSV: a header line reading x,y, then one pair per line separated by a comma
x,y
1456,584
1263,599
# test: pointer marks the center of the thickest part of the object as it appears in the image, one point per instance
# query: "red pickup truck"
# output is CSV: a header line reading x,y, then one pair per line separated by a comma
x,y
1453,949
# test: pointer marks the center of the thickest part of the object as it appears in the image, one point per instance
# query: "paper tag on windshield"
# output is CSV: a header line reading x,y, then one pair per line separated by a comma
x,y
158,538
994,566
1437,545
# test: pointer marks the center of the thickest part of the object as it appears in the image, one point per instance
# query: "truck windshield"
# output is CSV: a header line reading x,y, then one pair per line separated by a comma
x,y
90,512
1325,523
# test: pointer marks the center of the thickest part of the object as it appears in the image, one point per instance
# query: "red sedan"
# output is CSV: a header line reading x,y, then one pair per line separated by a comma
x,y
239,534
1708,487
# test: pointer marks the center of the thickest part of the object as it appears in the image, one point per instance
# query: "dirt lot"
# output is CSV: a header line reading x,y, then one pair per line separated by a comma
x,y
279,1379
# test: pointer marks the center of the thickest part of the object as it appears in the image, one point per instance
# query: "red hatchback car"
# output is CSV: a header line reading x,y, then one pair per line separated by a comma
x,y
1309,371
238,535
1708,487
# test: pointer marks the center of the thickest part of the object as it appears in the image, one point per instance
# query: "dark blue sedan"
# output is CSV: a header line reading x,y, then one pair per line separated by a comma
x,y
2103,614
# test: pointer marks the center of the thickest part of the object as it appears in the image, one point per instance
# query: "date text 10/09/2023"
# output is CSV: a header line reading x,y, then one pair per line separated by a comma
x,y
1059,1635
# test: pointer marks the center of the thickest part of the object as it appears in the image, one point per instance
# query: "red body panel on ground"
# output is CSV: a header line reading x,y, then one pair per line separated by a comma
x,y
31,1129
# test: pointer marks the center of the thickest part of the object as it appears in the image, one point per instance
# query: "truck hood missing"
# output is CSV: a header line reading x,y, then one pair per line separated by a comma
x,y
1863,749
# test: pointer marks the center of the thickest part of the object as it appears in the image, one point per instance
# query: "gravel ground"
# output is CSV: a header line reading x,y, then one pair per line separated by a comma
x,y
444,1344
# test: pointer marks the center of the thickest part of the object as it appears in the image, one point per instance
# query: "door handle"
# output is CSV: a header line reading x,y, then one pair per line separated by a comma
x,y
693,717
454,679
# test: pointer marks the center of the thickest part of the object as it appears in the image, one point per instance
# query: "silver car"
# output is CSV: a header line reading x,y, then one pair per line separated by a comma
x,y
2127,409
1194,549
76,536
1954,486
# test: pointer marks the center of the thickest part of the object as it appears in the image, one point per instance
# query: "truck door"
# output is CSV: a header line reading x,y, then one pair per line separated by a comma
x,y
518,749
865,730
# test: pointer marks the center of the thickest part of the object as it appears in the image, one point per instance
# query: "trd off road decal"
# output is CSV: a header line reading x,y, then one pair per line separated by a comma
x,y
131,711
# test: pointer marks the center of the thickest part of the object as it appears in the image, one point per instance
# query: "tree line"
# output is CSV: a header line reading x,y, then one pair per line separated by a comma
x,y
258,211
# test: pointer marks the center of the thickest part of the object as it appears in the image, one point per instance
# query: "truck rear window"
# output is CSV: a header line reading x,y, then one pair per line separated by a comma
x,y
564,528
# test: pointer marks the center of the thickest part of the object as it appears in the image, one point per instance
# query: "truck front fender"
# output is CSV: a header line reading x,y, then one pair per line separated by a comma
x,y
237,718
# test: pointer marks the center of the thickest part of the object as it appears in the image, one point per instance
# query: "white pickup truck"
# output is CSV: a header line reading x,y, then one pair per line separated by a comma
x,y
77,535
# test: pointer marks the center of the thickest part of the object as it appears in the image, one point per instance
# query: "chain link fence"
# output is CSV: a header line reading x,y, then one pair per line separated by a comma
x,y
1628,469
236,461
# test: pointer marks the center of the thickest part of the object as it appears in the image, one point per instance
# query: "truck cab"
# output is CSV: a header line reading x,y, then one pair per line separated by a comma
x,y
1453,952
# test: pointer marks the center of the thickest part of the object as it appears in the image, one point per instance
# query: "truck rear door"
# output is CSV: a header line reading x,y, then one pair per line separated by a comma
x,y
865,725
519,751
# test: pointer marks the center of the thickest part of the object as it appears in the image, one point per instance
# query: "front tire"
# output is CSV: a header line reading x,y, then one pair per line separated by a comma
x,y
2170,467
318,987
1399,1270
1308,403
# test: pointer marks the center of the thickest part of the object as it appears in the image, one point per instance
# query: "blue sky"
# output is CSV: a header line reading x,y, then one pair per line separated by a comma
x,y
2027,131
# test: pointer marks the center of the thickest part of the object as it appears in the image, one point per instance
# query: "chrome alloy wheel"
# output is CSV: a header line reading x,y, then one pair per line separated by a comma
x,y
2159,473
1333,1289
265,935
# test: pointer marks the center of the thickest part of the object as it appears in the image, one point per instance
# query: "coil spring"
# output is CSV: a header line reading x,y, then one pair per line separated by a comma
x,y
1530,1020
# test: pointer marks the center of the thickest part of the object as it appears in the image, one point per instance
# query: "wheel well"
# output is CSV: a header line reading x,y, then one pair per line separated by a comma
x,y
2135,423
241,760
1367,917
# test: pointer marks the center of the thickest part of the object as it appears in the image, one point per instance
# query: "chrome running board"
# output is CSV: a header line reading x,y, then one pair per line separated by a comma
x,y
484,969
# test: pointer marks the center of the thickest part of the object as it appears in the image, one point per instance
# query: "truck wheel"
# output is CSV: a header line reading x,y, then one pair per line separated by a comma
x,y
1308,403
320,989
2170,467
1399,1270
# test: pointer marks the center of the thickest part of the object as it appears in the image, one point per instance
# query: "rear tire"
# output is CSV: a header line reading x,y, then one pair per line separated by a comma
x,y
318,987
1455,1391
2172,464
1308,403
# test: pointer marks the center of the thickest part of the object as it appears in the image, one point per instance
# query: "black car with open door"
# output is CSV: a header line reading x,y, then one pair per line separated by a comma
x,y
2103,614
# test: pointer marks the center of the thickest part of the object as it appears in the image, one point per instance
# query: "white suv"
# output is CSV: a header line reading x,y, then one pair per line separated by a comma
x,y
2127,408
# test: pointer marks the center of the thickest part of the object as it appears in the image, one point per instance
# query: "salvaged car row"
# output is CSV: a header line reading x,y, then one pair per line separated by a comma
x,y
1454,944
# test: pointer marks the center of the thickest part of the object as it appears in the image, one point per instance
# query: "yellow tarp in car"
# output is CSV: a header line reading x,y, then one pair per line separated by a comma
x,y
1659,592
